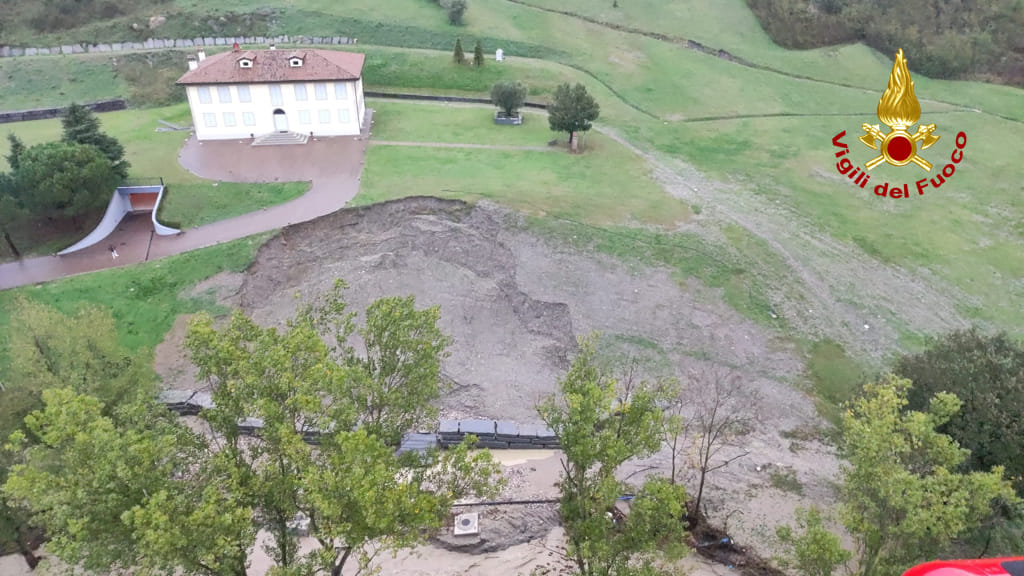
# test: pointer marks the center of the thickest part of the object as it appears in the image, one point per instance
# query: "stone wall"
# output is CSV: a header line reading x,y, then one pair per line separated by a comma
x,y
492,434
165,43
44,113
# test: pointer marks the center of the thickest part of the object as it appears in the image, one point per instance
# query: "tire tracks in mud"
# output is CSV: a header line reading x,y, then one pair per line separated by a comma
x,y
852,298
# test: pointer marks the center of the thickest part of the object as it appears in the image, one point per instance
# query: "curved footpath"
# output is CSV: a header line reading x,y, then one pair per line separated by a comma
x,y
333,165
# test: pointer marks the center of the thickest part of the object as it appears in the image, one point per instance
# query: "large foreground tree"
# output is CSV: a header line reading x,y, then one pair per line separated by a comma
x,y
195,502
50,350
987,373
601,425
902,499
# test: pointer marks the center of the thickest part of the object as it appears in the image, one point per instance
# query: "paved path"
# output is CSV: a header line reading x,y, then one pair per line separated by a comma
x,y
333,165
454,145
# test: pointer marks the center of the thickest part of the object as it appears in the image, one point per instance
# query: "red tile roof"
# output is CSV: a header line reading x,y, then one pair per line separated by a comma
x,y
270,66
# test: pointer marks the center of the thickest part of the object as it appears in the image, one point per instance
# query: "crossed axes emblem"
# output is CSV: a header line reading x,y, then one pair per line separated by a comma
x,y
874,134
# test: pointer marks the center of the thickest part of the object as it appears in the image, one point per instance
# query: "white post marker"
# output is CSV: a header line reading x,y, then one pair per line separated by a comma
x,y
499,54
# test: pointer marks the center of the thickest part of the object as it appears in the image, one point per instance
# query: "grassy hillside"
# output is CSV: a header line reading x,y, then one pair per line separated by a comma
x,y
749,142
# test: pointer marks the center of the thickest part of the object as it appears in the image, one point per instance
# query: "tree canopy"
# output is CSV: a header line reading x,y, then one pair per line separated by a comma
x,y
134,487
49,350
600,426
508,96
987,373
902,498
81,126
956,39
62,179
573,109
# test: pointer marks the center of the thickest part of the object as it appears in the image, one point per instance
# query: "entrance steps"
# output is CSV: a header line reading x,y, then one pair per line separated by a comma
x,y
280,139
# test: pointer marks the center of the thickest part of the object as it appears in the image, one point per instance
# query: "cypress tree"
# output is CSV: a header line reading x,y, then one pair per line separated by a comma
x,y
459,56
478,54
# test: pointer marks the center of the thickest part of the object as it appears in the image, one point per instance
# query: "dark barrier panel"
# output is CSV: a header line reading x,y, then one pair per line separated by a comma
x,y
431,98
45,113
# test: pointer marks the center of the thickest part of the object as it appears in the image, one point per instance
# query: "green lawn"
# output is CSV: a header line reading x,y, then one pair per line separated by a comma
x,y
191,201
430,122
38,82
144,298
606,185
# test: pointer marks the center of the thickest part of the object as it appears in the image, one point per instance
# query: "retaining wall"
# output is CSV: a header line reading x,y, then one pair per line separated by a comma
x,y
497,434
44,113
433,98
165,43
492,434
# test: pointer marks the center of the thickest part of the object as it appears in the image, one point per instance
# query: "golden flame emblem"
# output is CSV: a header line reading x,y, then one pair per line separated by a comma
x,y
899,109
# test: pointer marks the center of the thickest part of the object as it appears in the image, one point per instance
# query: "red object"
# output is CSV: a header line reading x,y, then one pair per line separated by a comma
x,y
900,148
989,567
235,47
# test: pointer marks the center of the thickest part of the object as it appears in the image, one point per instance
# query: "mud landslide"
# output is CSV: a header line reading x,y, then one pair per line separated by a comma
x,y
514,304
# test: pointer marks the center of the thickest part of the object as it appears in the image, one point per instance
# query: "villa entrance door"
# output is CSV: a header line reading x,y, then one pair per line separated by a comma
x,y
280,121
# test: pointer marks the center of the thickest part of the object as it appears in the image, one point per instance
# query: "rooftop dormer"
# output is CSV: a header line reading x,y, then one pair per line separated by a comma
x,y
295,59
246,60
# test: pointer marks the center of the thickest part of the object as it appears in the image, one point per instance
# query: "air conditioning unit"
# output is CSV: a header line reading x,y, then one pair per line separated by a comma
x,y
467,524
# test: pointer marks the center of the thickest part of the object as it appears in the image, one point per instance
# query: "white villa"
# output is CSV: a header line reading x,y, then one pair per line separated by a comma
x,y
251,93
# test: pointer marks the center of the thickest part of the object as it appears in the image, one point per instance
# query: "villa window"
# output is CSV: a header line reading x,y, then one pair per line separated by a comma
x,y
321,91
344,117
229,118
243,94
245,63
248,118
210,120
304,117
224,94
275,96
325,116
340,91
295,62
204,95
300,92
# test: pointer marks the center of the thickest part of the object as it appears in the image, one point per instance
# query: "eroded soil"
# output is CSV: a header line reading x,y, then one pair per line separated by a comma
x,y
514,304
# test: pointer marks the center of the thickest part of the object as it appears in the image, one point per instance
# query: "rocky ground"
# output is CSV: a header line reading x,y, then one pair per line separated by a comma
x,y
514,304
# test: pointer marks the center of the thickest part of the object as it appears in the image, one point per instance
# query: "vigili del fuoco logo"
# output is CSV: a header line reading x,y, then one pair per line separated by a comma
x,y
899,110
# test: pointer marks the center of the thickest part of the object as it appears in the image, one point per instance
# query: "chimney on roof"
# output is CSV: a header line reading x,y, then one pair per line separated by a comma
x,y
192,63
201,54
272,47
235,47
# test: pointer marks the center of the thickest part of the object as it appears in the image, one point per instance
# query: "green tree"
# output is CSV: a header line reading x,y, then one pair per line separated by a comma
x,y
116,489
509,96
573,110
81,126
50,350
458,55
16,149
456,10
902,499
478,55
812,549
296,384
10,210
184,500
600,426
64,179
987,373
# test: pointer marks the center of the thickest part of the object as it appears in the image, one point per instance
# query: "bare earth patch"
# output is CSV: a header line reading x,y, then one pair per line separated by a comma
x,y
514,305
